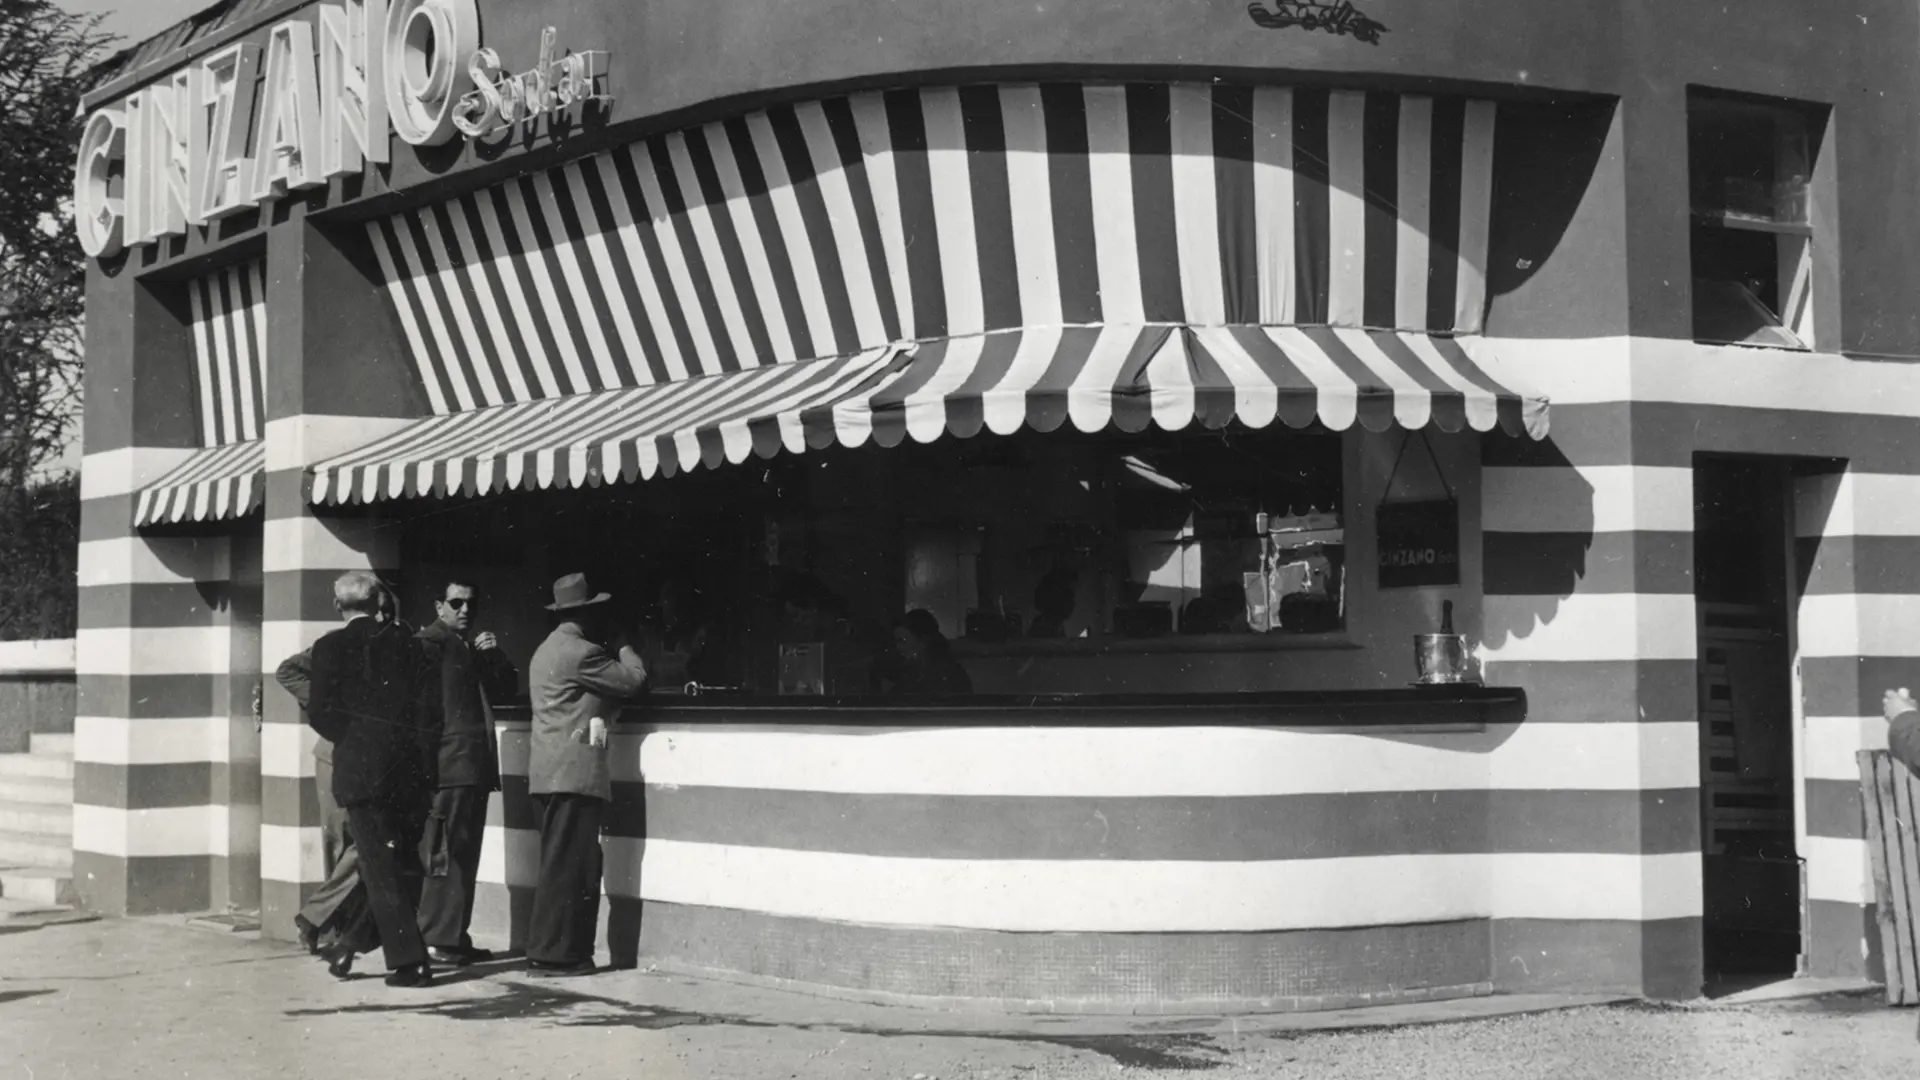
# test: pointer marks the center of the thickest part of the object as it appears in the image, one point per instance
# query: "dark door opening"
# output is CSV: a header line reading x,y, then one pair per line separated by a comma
x,y
1744,598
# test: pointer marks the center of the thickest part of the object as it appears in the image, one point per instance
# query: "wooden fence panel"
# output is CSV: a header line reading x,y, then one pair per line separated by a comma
x,y
1890,797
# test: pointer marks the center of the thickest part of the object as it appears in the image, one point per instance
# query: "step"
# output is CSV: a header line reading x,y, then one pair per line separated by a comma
x,y
32,913
28,849
37,884
43,790
40,819
35,765
50,744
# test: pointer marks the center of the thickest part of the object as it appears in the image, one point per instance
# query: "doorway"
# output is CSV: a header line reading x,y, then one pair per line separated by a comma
x,y
240,895
1745,600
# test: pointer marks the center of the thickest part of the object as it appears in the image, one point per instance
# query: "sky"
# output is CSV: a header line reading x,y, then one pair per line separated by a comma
x,y
135,20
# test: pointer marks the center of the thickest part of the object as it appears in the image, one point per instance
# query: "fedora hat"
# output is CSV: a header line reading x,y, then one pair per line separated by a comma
x,y
572,591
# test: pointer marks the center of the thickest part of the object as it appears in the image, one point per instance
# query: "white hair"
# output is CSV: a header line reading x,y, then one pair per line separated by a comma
x,y
357,592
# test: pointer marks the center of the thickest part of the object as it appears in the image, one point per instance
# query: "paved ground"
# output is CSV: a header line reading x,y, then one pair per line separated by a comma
x,y
151,1000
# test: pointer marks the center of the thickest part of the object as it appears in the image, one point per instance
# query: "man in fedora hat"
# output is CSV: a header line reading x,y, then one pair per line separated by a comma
x,y
577,682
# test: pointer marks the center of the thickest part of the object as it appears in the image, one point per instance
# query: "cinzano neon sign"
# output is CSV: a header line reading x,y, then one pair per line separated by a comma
x,y
195,148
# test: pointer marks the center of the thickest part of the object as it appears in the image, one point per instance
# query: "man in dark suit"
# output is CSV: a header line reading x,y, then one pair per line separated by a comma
x,y
463,681
367,690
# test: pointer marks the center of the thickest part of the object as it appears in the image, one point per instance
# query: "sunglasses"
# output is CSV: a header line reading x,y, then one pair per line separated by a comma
x,y
460,603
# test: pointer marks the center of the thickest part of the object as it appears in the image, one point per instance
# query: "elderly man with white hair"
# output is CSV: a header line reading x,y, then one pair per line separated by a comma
x,y
366,699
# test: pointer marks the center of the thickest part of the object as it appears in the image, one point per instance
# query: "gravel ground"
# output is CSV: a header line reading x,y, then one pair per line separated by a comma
x,y
143,999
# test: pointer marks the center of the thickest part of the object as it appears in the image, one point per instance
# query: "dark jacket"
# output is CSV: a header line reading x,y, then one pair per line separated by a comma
x,y
295,676
368,683
469,681
572,680
1903,739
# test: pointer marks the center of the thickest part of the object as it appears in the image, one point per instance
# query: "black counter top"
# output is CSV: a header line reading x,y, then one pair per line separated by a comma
x,y
1403,707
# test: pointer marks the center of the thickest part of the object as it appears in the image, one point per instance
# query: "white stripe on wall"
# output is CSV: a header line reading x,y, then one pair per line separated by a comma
x,y
1591,626
1587,499
1837,869
1122,762
1866,504
112,740
127,834
281,638
286,750
1112,896
1864,624
136,560
295,442
294,854
1832,742
309,543
123,472
199,650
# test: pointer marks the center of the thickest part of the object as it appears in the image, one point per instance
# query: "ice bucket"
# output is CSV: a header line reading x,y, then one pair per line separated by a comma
x,y
1442,658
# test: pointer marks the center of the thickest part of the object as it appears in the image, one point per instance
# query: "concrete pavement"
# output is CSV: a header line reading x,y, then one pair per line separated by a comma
x,y
155,998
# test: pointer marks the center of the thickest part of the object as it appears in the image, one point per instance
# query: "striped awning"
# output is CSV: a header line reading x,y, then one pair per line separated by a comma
x,y
1128,377
214,483
830,227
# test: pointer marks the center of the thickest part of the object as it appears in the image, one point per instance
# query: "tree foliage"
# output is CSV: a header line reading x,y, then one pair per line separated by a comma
x,y
39,555
48,60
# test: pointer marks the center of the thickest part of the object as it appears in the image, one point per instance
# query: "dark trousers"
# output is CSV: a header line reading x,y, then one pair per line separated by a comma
x,y
566,900
451,852
387,839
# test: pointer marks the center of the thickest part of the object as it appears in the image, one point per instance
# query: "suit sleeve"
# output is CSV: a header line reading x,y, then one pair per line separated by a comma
x,y
423,658
295,676
325,711
607,675
498,676
1903,739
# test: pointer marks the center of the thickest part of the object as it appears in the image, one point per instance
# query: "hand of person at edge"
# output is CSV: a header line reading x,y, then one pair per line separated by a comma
x,y
597,733
1895,702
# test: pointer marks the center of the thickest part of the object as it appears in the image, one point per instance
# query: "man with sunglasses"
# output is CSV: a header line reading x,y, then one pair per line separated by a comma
x,y
473,674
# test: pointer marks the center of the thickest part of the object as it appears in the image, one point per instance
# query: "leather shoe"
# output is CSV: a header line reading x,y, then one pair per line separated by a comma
x,y
339,963
411,975
559,971
459,957
309,934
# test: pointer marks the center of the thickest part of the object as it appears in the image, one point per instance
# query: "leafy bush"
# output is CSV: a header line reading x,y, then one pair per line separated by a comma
x,y
39,560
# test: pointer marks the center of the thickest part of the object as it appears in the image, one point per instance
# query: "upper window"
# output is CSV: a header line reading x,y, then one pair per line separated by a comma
x,y
1749,167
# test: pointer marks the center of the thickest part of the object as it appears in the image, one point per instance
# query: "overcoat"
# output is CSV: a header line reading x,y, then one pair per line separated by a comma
x,y
572,680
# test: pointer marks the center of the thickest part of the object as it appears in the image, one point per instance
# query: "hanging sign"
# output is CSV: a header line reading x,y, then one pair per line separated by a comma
x,y
1419,543
1418,539
194,147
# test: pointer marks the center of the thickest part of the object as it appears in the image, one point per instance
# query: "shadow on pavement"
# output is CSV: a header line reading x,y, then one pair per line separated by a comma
x,y
521,1001
7,996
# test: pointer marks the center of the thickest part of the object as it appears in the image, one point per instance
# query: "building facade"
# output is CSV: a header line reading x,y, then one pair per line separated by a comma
x,y
343,315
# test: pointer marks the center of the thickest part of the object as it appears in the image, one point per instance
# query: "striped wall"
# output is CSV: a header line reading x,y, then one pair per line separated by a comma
x,y
302,555
830,227
1166,849
1589,570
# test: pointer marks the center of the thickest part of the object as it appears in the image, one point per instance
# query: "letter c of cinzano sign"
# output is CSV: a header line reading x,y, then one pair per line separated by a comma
x,y
193,149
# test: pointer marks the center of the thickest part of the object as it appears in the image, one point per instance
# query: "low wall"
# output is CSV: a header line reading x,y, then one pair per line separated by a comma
x,y
1111,869
37,692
